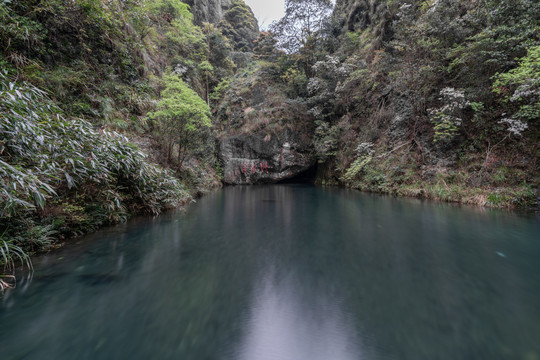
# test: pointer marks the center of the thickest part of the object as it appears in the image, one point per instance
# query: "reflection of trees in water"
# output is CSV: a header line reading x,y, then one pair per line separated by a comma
x,y
429,280
291,268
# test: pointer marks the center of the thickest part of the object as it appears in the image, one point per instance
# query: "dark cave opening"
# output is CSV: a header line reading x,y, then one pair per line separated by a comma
x,y
306,177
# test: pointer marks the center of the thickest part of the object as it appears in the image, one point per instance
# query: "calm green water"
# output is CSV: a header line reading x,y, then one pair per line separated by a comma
x,y
288,273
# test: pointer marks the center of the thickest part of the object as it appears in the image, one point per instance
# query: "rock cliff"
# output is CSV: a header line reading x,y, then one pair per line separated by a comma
x,y
235,19
210,11
266,137
258,158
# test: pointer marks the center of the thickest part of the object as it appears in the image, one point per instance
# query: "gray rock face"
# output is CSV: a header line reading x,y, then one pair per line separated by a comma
x,y
210,11
235,19
259,159
360,14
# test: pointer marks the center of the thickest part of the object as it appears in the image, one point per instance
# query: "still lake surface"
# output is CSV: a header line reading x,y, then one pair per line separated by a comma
x,y
288,272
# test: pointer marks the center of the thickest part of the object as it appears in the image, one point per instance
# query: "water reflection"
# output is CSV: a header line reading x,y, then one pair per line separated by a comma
x,y
286,325
288,272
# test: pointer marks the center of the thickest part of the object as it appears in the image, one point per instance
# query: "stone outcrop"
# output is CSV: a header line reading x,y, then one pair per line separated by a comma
x,y
210,11
235,19
240,25
258,158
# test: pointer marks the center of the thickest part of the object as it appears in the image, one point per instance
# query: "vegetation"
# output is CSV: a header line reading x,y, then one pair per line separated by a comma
x,y
437,99
61,176
456,82
240,26
434,88
182,120
78,80
301,24
521,86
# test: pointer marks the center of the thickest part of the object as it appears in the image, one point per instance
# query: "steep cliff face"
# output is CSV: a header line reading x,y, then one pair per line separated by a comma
x,y
210,11
265,137
235,19
258,158
240,26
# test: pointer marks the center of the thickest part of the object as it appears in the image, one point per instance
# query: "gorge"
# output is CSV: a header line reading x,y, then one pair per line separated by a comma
x,y
115,109
177,182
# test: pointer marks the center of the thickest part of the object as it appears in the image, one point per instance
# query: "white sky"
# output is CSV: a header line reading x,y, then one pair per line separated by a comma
x,y
267,11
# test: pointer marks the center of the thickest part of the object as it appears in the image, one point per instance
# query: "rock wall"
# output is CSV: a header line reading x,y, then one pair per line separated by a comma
x,y
258,158
210,11
235,19
240,25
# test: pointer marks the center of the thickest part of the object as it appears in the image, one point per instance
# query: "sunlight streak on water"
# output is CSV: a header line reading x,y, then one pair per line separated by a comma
x,y
283,325
287,272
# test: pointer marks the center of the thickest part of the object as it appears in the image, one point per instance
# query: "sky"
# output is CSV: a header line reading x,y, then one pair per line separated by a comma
x,y
267,11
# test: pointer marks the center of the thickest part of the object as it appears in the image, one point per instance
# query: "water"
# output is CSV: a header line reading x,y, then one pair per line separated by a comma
x,y
288,273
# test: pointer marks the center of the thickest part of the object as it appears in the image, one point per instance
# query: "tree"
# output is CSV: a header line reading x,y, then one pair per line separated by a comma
x,y
183,119
299,31
206,70
218,64
302,20
265,47
524,81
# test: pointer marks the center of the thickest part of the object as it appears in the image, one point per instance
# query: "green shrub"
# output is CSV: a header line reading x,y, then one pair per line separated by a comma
x,y
45,156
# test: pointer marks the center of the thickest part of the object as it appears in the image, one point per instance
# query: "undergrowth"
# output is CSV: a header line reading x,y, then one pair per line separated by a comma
x,y
399,174
61,177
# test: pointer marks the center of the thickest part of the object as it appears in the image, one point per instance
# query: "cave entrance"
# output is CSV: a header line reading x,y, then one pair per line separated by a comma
x,y
306,177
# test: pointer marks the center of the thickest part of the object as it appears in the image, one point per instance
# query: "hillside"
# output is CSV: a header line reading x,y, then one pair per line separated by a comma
x,y
117,108
437,100
105,111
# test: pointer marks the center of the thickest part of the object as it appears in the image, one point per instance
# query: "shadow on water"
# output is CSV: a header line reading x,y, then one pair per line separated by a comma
x,y
288,272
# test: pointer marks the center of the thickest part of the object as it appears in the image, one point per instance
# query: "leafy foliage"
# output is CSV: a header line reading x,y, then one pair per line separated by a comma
x,y
364,153
524,81
183,119
45,157
445,84
102,60
302,20
9,254
447,119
